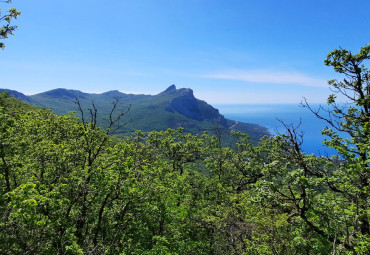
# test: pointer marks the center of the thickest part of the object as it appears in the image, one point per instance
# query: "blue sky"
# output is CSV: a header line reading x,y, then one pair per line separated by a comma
x,y
230,51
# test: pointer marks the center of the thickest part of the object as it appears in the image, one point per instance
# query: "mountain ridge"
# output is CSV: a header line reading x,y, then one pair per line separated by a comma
x,y
171,108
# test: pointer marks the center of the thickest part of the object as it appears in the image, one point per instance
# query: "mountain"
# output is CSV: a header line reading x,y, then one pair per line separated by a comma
x,y
17,95
171,108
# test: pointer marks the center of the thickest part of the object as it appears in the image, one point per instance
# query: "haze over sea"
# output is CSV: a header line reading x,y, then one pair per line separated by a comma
x,y
268,115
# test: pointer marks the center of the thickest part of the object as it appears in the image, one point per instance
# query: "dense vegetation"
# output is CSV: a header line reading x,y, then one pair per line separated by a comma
x,y
67,187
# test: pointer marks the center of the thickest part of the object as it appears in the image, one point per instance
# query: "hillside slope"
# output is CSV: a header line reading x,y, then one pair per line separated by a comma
x,y
171,108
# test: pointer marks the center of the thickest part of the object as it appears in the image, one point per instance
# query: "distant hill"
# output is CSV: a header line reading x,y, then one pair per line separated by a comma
x,y
171,108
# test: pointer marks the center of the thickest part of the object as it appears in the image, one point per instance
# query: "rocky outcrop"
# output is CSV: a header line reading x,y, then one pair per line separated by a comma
x,y
186,104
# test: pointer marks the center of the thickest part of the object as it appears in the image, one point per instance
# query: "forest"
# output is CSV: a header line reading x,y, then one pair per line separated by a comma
x,y
70,187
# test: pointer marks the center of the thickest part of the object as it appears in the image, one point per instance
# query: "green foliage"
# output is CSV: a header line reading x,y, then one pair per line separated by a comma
x,y
5,19
67,187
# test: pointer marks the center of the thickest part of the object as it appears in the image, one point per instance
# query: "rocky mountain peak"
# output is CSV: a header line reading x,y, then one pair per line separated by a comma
x,y
178,92
170,88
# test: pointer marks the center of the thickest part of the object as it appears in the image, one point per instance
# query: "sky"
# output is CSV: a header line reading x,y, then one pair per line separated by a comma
x,y
227,51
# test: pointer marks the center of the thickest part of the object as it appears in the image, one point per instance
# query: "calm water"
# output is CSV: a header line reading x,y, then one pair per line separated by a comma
x,y
268,115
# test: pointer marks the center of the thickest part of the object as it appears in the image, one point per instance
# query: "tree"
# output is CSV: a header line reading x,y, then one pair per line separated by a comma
x,y
6,28
327,198
352,119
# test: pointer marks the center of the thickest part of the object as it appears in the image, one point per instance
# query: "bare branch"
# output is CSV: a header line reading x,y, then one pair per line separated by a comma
x,y
116,120
77,101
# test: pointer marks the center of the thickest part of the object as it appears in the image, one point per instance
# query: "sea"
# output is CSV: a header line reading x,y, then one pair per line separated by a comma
x,y
271,115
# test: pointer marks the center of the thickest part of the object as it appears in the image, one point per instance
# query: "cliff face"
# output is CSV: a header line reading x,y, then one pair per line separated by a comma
x,y
185,103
